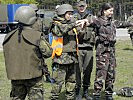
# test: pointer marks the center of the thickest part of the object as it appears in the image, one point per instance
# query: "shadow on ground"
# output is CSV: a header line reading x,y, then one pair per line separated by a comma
x,y
62,95
129,49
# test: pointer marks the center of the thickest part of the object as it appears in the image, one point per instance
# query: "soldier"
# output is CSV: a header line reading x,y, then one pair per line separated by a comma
x,y
38,25
24,52
130,30
86,42
64,52
105,29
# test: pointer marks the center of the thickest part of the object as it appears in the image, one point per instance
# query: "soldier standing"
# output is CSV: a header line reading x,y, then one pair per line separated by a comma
x,y
24,50
86,42
38,25
105,29
64,52
130,30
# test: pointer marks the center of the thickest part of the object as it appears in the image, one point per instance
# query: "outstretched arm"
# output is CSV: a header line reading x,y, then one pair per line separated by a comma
x,y
122,24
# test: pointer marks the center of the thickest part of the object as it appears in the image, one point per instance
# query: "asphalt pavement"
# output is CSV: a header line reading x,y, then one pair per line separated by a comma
x,y
121,34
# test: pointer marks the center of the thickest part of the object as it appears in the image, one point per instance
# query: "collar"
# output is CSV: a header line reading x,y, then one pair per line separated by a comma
x,y
105,21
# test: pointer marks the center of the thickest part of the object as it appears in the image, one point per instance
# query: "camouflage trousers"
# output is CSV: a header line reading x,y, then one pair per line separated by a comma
x,y
105,69
86,64
64,74
33,88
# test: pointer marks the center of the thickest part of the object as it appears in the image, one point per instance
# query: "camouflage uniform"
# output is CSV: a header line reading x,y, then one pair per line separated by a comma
x,y
64,71
24,49
86,42
130,30
105,53
38,26
25,74
32,87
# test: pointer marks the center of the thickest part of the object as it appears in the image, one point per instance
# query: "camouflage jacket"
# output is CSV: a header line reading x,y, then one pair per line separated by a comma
x,y
65,29
23,54
86,35
106,29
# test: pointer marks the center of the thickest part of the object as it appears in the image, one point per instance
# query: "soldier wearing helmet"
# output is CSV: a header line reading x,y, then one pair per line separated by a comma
x,y
64,52
24,48
38,25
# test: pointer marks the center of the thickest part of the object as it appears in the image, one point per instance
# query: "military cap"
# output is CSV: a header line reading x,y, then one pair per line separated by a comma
x,y
81,3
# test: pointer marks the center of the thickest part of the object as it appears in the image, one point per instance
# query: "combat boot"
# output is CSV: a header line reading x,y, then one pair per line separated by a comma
x,y
109,97
85,94
49,79
78,96
96,97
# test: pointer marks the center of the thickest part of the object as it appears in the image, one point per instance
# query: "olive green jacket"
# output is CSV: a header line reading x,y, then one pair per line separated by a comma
x,y
65,29
22,54
37,25
86,35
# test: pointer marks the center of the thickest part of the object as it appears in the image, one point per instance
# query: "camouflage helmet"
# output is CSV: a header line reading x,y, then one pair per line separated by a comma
x,y
64,8
25,15
34,6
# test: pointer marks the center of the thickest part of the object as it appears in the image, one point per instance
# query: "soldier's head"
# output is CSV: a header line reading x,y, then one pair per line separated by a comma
x,y
25,15
81,6
66,11
107,10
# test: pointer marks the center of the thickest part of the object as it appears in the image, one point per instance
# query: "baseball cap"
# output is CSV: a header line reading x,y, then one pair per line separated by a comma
x,y
81,3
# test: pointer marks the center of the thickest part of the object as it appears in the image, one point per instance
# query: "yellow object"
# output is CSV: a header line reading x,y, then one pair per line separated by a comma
x,y
77,41
57,45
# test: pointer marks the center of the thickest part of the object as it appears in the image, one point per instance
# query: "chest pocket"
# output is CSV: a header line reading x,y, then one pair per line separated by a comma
x,y
88,33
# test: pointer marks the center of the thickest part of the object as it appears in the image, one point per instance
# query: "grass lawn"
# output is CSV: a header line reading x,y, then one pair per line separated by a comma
x,y
124,73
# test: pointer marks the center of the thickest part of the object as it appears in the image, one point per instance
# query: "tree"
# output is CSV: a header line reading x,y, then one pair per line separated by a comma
x,y
18,1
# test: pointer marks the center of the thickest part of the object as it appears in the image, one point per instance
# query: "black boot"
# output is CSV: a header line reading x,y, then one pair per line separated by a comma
x,y
96,97
49,79
85,94
78,96
109,97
